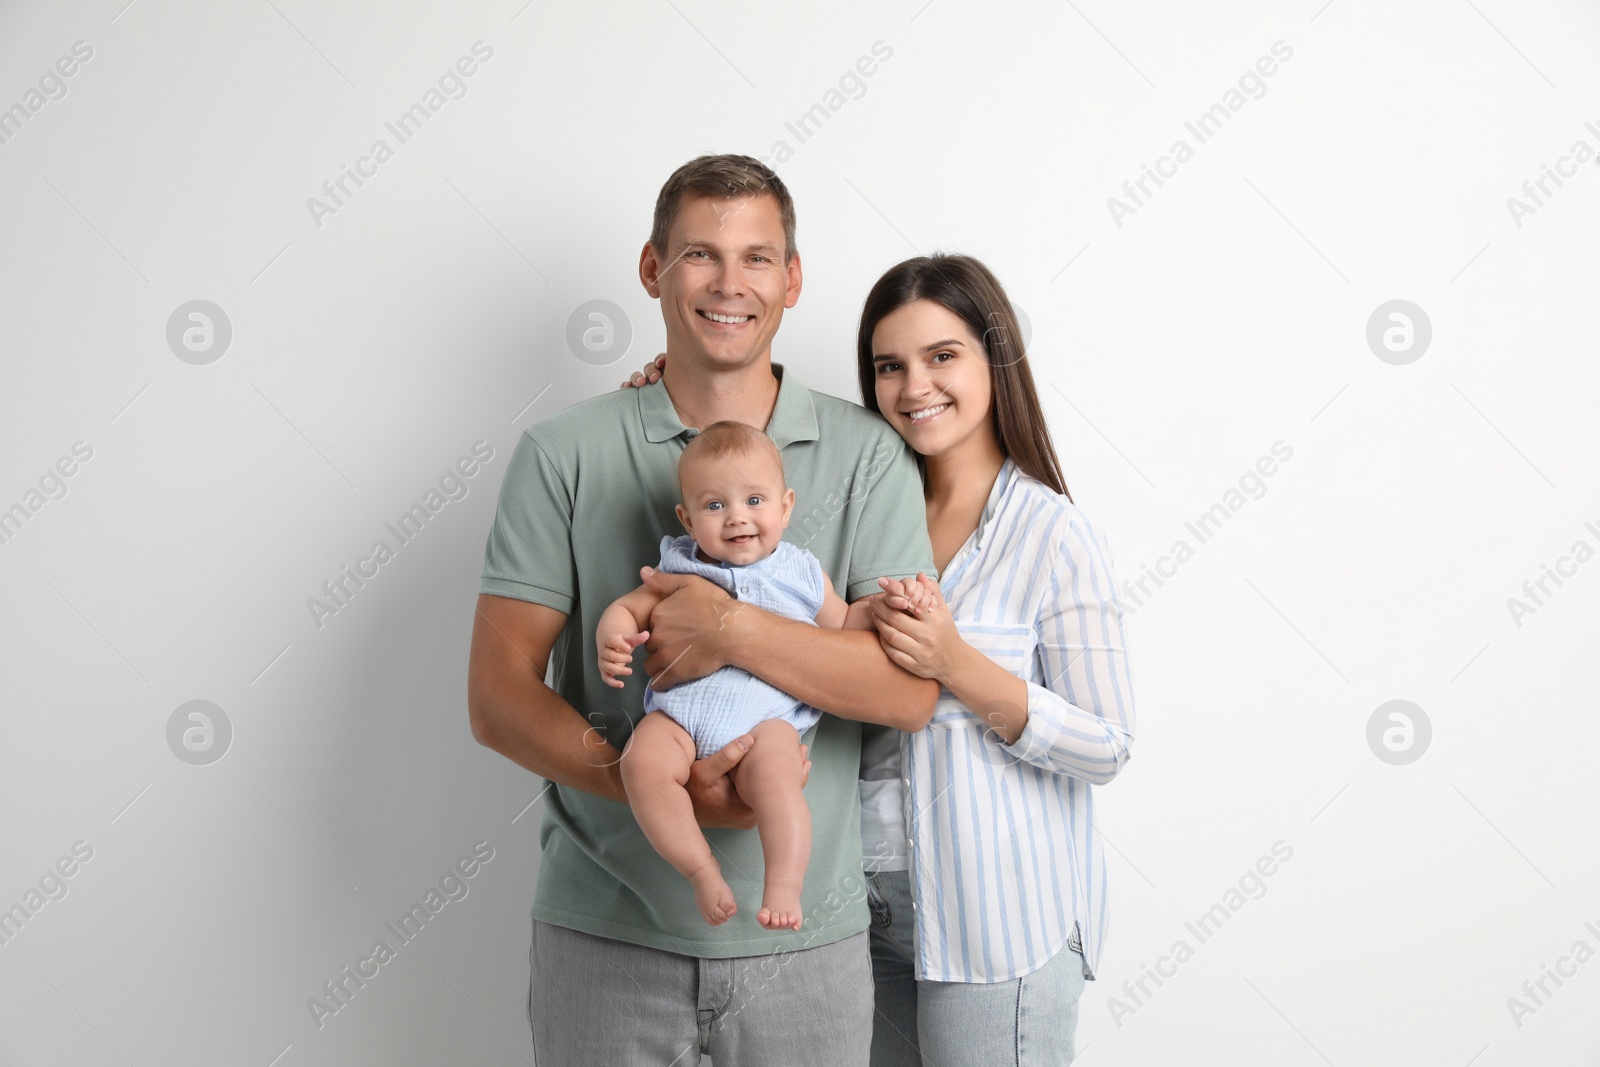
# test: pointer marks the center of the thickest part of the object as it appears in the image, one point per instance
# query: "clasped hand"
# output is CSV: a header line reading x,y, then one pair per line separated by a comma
x,y
915,627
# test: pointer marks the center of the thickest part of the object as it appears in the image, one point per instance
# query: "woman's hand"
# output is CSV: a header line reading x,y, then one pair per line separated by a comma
x,y
927,644
650,373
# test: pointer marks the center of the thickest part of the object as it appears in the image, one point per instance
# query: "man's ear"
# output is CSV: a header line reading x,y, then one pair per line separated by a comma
x,y
650,270
788,506
791,292
683,517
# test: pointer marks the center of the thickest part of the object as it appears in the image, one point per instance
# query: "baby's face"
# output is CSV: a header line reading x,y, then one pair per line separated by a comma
x,y
735,507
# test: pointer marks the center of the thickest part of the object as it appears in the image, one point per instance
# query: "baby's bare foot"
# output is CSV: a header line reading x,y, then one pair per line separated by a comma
x,y
780,909
713,897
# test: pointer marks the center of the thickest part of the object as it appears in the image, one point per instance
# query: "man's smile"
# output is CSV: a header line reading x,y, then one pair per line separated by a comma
x,y
732,322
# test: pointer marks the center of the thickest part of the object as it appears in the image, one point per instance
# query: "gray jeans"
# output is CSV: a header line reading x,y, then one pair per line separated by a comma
x,y
594,1000
1026,1022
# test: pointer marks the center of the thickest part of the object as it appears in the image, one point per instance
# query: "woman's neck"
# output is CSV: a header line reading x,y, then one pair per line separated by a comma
x,y
963,473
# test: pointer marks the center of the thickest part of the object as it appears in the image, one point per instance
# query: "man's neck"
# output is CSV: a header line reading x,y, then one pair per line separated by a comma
x,y
702,397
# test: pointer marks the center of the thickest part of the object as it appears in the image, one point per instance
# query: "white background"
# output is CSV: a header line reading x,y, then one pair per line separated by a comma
x,y
369,352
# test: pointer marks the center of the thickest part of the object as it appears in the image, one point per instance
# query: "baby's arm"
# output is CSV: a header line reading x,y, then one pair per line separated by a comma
x,y
837,615
622,628
911,592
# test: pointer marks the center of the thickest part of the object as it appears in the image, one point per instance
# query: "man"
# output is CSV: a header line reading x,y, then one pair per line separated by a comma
x,y
624,969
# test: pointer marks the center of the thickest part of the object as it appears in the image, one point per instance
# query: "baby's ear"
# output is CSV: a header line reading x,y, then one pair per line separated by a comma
x,y
788,505
683,517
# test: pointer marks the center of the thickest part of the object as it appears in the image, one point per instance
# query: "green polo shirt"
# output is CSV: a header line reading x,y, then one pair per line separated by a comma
x,y
586,499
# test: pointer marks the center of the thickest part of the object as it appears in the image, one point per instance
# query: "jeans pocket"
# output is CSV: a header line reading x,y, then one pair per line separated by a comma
x,y
881,915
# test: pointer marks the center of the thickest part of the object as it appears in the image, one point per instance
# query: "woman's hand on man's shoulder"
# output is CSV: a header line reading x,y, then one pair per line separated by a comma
x,y
651,373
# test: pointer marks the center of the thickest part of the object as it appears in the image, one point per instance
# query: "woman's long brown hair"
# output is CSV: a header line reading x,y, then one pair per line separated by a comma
x,y
970,291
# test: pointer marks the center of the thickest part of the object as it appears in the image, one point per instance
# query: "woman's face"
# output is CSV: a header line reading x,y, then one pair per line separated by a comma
x,y
932,377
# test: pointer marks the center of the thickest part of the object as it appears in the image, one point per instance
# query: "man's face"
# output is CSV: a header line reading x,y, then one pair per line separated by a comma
x,y
735,507
723,284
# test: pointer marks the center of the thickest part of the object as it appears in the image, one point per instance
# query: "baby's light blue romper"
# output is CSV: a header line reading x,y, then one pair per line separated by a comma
x,y
728,702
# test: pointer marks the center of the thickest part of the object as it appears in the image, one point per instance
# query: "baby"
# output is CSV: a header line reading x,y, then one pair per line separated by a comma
x,y
735,507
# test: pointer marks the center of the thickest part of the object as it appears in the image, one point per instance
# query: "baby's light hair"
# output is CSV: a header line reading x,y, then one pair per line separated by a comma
x,y
728,438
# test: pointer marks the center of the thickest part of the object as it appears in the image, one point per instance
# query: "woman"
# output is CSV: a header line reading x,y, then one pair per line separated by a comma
x,y
990,909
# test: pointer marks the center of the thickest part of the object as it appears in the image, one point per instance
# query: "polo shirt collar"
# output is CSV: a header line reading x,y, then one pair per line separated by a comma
x,y
794,417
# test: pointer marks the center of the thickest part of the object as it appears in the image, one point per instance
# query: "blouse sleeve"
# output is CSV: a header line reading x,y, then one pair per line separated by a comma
x,y
1081,720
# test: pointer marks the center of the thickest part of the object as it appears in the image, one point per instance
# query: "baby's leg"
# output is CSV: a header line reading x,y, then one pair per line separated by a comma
x,y
768,779
655,766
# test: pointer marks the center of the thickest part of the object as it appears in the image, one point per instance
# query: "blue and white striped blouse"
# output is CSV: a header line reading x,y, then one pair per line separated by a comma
x,y
1006,858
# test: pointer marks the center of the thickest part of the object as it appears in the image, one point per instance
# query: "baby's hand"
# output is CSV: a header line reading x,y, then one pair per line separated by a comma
x,y
616,655
914,596
921,595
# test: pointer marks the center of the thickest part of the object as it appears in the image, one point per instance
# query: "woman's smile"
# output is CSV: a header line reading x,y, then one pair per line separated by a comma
x,y
927,414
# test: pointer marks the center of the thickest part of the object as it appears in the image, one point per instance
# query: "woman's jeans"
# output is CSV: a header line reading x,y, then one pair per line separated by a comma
x,y
1026,1022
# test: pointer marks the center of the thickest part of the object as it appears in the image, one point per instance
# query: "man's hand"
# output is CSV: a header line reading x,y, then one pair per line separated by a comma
x,y
689,629
710,786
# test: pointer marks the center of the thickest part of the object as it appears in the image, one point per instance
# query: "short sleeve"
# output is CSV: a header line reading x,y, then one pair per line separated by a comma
x,y
529,552
891,535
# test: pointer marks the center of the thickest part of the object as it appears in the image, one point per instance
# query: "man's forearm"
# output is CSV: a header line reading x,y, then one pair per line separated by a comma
x,y
530,724
844,672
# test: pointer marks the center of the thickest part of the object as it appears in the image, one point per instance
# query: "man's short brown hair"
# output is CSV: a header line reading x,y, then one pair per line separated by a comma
x,y
723,176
